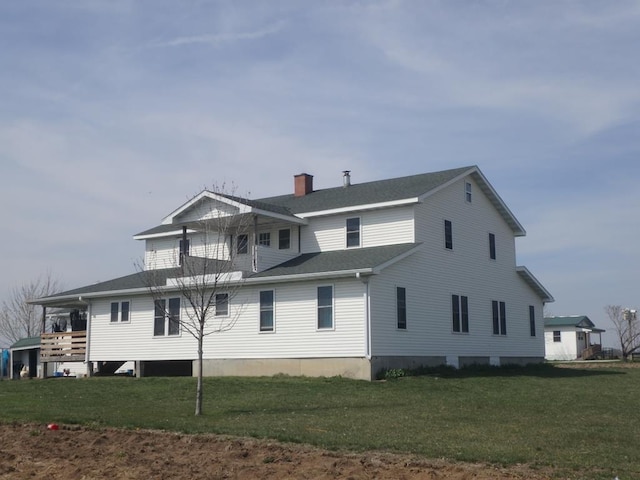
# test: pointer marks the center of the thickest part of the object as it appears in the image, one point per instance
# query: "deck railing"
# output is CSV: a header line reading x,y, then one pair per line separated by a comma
x,y
63,346
591,352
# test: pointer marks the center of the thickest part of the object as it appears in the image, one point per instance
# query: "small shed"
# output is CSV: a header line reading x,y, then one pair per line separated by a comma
x,y
25,353
571,338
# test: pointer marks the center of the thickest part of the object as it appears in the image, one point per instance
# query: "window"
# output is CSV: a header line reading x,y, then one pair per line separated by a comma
x,y
467,192
448,235
266,311
284,239
166,321
401,307
222,304
556,336
264,239
532,320
120,311
460,313
353,232
492,246
243,244
499,318
184,248
325,307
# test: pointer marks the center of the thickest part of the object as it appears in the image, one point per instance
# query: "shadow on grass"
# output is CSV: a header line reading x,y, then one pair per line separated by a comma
x,y
543,370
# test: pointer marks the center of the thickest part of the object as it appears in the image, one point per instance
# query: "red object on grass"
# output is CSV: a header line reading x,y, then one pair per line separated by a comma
x,y
53,426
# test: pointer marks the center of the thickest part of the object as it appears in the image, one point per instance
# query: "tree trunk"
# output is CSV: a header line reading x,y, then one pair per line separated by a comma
x,y
199,383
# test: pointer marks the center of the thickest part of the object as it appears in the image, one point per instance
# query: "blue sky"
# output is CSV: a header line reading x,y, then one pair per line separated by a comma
x,y
113,113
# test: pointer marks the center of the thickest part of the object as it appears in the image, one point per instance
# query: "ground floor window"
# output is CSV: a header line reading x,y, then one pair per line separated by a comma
x,y
556,336
401,307
325,307
532,320
120,311
460,313
266,311
166,320
499,317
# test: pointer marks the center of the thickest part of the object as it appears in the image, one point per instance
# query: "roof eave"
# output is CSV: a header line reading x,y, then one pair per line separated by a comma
x,y
535,284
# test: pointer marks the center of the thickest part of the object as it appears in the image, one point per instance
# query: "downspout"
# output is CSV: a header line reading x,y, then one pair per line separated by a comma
x,y
367,314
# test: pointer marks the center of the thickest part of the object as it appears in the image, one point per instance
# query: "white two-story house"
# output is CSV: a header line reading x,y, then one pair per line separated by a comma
x,y
398,273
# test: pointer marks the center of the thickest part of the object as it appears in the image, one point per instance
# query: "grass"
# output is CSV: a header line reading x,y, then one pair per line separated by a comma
x,y
583,423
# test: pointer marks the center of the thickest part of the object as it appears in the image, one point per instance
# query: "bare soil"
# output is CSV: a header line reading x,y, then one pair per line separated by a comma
x,y
73,453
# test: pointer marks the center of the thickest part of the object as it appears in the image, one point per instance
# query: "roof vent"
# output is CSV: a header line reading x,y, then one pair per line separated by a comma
x,y
346,178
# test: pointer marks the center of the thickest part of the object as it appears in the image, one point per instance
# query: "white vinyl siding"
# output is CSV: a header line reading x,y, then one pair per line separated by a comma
x,y
377,227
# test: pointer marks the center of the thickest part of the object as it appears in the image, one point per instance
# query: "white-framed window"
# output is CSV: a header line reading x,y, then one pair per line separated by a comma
x,y
120,311
401,308
460,313
556,336
222,305
448,235
264,239
353,232
284,239
467,191
166,318
325,307
499,310
243,244
267,311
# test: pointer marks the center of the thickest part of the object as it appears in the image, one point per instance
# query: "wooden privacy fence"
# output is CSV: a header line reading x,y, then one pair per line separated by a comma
x,y
63,347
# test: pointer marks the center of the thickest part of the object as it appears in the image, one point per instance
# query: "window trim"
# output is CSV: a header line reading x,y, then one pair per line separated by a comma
x,y
242,247
272,310
499,314
358,232
119,311
448,234
401,308
225,314
280,239
167,317
264,239
459,314
331,307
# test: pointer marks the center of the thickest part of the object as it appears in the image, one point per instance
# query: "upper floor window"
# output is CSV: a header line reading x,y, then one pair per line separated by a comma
x,y
243,244
353,232
222,304
492,246
467,192
264,239
532,320
284,239
556,336
499,317
120,311
166,320
325,307
185,247
401,307
266,311
448,235
460,313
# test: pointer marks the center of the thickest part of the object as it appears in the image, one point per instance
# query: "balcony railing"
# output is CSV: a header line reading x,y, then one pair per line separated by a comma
x,y
63,346
591,352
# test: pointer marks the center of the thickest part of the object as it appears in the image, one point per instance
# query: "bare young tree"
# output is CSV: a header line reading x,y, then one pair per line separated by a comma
x,y
627,327
19,319
214,249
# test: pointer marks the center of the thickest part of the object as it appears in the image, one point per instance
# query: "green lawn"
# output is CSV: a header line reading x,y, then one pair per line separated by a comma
x,y
584,423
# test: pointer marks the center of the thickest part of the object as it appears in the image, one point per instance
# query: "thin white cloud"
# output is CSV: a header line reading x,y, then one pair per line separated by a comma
x,y
217,39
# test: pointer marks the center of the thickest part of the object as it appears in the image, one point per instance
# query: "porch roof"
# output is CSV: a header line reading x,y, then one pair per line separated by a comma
x,y
26,343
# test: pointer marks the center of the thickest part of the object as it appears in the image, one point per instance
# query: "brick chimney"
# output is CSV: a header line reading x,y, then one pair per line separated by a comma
x,y
303,184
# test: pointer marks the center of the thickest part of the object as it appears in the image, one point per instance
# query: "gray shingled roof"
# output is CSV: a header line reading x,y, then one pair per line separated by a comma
x,y
339,260
365,193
